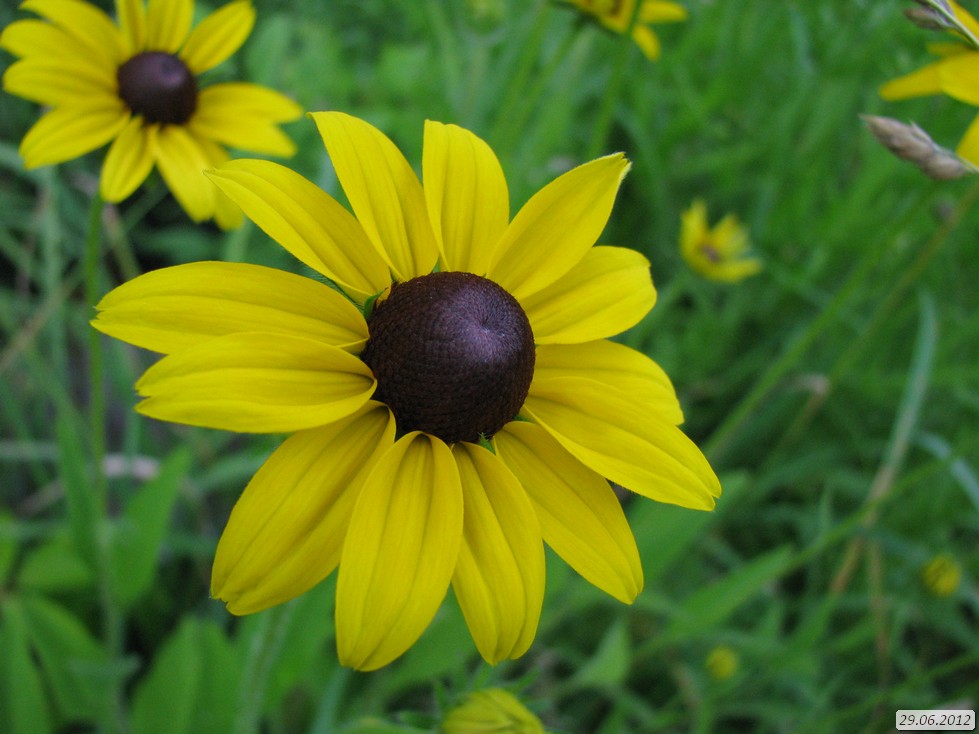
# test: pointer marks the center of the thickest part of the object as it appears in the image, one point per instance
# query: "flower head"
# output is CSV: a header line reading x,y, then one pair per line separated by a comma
x,y
491,711
457,403
718,253
136,84
616,15
955,74
942,575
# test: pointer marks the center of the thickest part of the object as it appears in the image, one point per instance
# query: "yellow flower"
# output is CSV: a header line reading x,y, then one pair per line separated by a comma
x,y
135,85
941,575
475,409
722,662
491,711
956,74
718,253
616,15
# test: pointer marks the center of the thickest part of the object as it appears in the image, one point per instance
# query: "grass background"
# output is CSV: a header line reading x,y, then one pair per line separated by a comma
x,y
836,393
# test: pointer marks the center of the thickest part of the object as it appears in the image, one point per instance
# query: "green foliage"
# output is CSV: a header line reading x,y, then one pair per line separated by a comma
x,y
835,393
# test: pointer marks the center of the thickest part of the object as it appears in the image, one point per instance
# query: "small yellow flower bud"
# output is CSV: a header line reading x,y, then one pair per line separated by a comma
x,y
722,662
941,575
491,711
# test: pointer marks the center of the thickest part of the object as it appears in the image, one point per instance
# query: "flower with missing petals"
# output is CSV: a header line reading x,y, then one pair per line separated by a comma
x,y
453,402
617,14
955,74
718,253
136,84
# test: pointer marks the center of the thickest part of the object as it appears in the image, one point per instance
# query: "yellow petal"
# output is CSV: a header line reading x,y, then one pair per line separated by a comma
x,y
175,308
617,368
655,11
580,516
399,553
613,436
608,291
958,77
72,130
132,21
968,147
467,196
86,23
40,40
227,214
286,530
647,41
307,222
57,80
499,577
244,116
182,161
924,81
554,230
129,160
220,103
256,383
383,191
218,36
965,17
167,24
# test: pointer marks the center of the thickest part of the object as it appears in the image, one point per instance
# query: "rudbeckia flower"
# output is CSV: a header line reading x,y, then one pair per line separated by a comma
x,y
955,74
718,253
135,85
617,14
453,400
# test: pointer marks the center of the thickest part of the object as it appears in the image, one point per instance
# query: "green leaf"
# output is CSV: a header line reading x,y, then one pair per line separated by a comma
x,y
8,545
140,531
70,657
55,566
165,700
610,664
23,708
193,684
73,470
711,605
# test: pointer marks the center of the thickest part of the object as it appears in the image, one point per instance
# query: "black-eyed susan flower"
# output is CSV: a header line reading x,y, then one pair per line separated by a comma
x,y
441,430
718,253
491,711
955,74
135,84
616,15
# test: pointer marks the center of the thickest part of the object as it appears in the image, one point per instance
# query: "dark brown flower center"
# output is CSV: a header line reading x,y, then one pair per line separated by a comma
x,y
453,355
158,86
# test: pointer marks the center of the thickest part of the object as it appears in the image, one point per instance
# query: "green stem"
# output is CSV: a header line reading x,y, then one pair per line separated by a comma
x,y
525,66
603,123
112,620
262,654
93,257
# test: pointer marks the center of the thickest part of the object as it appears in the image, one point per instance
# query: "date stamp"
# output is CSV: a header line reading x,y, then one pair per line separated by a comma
x,y
936,720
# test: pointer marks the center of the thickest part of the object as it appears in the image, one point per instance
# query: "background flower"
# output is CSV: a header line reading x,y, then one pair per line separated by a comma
x,y
718,253
617,14
134,84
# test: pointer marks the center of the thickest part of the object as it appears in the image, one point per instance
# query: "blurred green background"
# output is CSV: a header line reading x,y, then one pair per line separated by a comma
x,y
836,393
